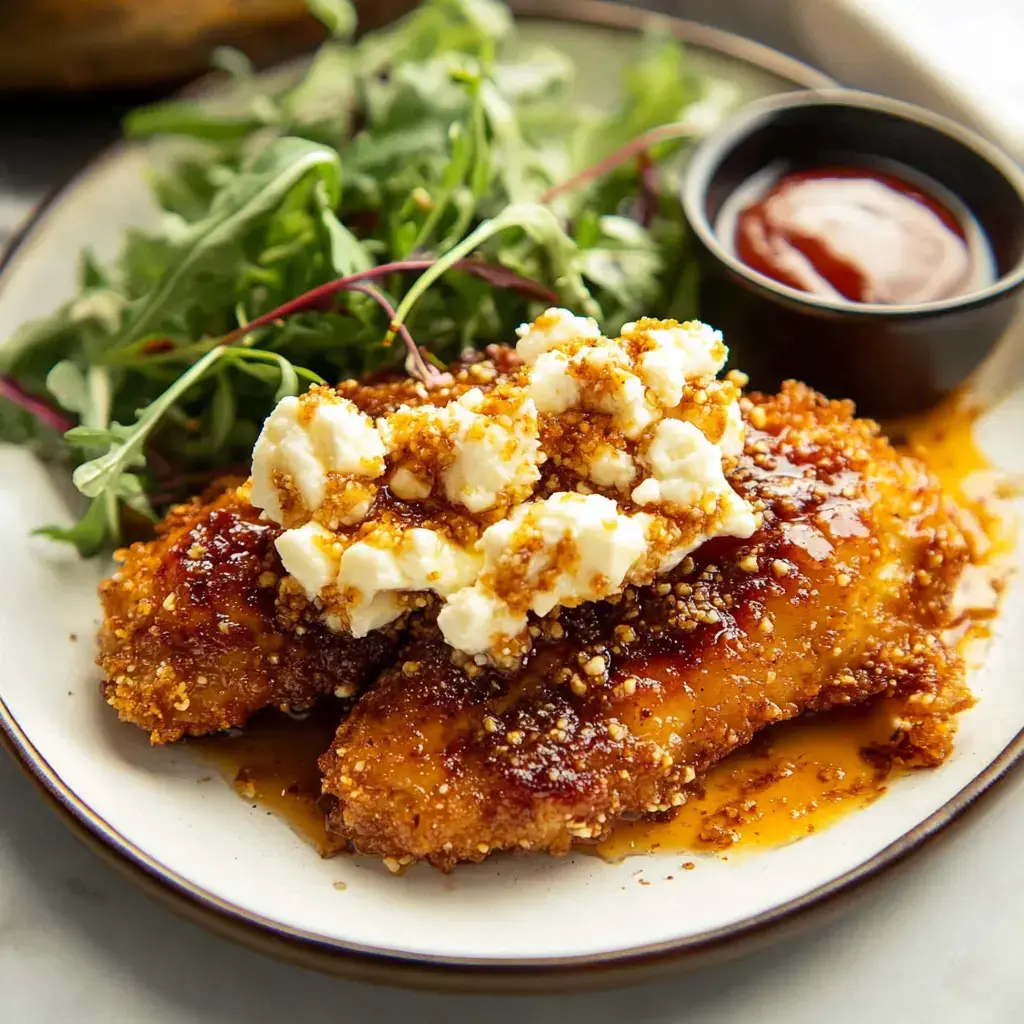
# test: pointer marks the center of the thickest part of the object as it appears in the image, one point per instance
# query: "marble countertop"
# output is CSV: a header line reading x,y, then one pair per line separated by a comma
x,y
935,939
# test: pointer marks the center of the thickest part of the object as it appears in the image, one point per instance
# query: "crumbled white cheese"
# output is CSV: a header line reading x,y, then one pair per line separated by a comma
x,y
307,553
407,486
686,472
552,387
488,449
612,467
634,378
474,620
685,466
551,329
580,549
639,417
673,356
731,441
615,389
380,567
598,377
495,458
364,616
296,452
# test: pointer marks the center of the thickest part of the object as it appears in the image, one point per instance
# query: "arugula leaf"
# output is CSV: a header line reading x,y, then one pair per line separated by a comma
x,y
192,118
658,88
89,535
289,379
338,15
222,413
547,72
490,18
322,104
538,222
95,437
625,262
102,474
347,254
252,194
92,275
130,491
234,62
66,383
264,274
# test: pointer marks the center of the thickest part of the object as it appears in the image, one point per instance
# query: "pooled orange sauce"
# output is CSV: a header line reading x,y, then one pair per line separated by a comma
x,y
945,440
272,763
796,778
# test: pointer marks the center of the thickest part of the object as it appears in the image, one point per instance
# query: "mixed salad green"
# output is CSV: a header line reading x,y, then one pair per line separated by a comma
x,y
417,183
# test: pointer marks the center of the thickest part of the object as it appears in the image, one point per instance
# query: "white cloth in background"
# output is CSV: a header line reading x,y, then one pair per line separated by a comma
x,y
963,57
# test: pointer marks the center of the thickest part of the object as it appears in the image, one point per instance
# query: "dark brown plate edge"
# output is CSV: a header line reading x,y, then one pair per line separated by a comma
x,y
514,976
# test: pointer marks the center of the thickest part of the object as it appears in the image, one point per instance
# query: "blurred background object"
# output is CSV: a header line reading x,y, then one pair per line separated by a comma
x,y
88,44
72,68
963,59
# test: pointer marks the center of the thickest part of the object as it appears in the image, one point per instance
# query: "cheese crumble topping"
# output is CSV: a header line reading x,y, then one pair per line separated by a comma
x,y
594,464
307,442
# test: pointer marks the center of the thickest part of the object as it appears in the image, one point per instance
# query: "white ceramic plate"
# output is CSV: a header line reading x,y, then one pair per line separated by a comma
x,y
248,874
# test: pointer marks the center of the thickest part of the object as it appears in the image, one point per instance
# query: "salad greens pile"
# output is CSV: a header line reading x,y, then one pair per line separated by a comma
x,y
417,182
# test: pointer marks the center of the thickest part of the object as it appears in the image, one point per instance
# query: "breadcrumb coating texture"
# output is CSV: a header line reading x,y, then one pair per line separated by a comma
x,y
193,639
839,597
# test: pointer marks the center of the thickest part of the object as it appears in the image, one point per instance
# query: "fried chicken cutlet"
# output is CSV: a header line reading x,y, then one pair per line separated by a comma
x,y
840,596
192,641
195,638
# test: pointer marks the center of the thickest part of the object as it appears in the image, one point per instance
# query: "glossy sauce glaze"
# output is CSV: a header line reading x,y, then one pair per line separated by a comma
x,y
945,440
802,776
272,764
794,779
856,233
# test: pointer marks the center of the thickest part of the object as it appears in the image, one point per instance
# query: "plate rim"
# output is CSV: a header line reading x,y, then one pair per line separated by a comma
x,y
449,973
490,975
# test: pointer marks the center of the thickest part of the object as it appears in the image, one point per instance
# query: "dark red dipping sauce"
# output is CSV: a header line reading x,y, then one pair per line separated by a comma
x,y
855,233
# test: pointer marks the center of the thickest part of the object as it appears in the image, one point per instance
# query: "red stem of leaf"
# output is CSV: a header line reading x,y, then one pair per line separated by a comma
x,y
315,299
14,392
627,152
419,365
647,200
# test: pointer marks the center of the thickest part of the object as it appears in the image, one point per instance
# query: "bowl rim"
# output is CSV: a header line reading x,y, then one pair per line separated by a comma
x,y
711,151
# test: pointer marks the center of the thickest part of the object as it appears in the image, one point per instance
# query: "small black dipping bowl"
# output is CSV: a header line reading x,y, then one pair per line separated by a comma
x,y
891,359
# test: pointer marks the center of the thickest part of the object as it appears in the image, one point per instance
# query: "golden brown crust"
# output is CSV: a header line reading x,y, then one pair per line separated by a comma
x,y
841,595
200,630
193,641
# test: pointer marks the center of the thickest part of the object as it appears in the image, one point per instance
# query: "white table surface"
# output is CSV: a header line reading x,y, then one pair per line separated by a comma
x,y
936,939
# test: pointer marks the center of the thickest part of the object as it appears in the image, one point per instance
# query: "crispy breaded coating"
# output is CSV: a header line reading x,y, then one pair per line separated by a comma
x,y
839,596
199,631
195,639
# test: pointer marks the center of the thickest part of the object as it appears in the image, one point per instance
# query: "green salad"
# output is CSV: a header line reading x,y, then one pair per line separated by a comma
x,y
404,196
